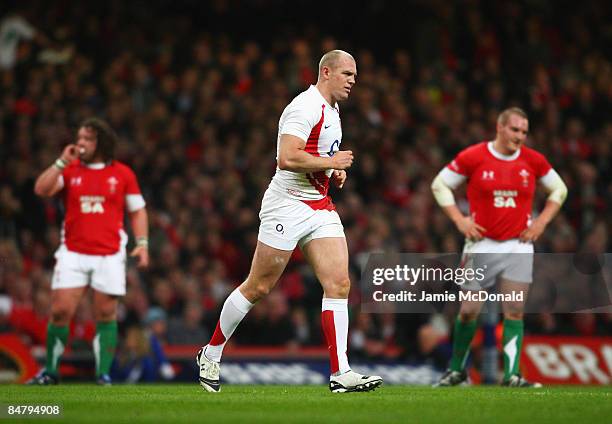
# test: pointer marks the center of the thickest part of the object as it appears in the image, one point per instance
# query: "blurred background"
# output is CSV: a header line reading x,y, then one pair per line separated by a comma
x,y
195,90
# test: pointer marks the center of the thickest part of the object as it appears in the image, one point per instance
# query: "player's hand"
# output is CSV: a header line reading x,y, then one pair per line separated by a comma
x,y
339,177
470,229
142,253
343,159
70,153
533,232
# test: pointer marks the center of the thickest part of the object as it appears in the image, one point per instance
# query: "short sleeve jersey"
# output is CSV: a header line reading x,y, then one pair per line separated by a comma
x,y
500,189
311,118
95,204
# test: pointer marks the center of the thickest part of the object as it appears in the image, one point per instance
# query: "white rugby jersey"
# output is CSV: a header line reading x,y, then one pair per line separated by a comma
x,y
315,121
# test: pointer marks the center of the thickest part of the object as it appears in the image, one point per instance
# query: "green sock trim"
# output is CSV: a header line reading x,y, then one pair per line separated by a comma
x,y
104,346
462,338
57,338
512,343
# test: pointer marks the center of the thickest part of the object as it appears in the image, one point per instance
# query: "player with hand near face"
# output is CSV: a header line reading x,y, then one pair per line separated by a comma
x,y
96,191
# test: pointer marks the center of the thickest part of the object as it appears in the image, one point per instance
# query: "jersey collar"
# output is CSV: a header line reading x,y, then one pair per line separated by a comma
x,y
314,87
96,165
501,156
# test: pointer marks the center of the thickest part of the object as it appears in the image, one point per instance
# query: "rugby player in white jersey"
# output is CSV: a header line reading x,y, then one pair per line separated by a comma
x,y
297,210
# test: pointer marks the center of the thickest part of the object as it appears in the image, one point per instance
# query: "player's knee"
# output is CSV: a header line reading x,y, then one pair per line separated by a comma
x,y
257,291
106,315
467,316
338,288
60,315
516,315
513,310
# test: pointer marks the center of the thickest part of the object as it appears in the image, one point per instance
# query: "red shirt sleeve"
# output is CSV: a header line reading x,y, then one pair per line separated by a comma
x,y
540,164
465,162
131,183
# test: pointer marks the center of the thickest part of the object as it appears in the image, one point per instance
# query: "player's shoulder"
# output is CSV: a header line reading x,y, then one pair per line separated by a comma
x,y
121,168
468,158
307,99
475,151
531,154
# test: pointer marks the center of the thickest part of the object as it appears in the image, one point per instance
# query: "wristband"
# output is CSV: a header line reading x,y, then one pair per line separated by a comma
x,y
142,241
60,164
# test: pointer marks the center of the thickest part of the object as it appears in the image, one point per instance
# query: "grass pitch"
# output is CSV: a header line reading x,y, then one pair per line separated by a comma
x,y
315,404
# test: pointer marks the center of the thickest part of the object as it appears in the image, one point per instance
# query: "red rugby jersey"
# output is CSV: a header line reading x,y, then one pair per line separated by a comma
x,y
500,189
95,204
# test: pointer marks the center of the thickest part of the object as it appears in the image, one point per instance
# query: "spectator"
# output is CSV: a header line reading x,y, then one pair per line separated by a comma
x,y
140,358
188,328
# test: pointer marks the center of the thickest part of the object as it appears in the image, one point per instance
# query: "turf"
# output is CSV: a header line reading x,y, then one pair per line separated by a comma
x,y
314,404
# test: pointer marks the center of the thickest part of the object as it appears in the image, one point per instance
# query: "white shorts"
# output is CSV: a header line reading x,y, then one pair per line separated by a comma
x,y
510,259
106,274
288,222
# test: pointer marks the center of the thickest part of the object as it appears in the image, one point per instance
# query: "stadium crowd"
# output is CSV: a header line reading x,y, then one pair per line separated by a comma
x,y
197,109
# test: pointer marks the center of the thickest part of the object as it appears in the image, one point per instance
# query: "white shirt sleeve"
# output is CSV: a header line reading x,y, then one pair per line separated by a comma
x,y
451,178
60,181
134,202
299,120
555,186
550,179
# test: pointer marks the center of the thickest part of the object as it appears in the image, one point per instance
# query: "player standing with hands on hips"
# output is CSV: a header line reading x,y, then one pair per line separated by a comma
x,y
501,179
296,210
96,191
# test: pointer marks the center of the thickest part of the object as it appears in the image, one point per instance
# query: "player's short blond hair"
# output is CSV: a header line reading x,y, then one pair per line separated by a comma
x,y
505,115
331,58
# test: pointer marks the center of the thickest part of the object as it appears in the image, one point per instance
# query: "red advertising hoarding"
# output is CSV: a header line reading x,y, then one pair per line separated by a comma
x,y
567,359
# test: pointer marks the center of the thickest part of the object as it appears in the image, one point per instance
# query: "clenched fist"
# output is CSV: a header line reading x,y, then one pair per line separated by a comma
x,y
343,159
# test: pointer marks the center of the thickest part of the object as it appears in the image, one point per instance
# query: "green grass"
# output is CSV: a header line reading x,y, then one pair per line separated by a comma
x,y
314,404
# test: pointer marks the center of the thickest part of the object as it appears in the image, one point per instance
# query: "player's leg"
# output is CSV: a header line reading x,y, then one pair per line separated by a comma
x,y
108,282
516,279
280,229
105,340
512,338
476,255
329,259
67,287
266,268
63,306
464,330
463,333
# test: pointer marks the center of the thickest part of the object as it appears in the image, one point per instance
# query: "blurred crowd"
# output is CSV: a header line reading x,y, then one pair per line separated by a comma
x,y
197,104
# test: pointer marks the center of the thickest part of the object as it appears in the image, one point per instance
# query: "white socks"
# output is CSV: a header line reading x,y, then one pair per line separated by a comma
x,y
235,308
334,319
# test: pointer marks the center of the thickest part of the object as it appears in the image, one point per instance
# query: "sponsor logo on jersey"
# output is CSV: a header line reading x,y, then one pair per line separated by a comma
x,y
92,204
504,198
335,146
76,181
